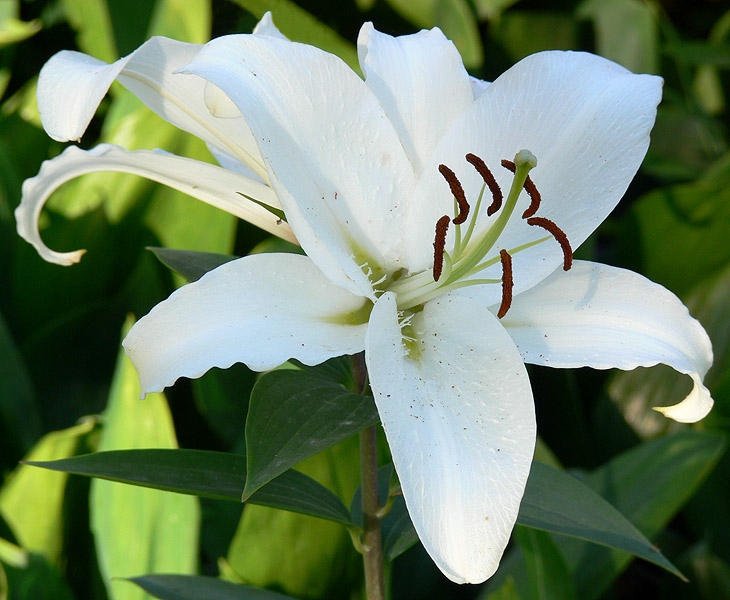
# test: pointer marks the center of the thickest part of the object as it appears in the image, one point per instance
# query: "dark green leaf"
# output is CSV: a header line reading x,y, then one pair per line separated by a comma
x,y
191,265
648,484
548,572
553,501
193,587
218,475
294,415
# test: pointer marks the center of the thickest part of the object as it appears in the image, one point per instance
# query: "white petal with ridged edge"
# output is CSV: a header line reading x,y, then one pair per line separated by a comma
x,y
334,158
71,86
421,83
460,422
260,310
603,317
211,184
586,119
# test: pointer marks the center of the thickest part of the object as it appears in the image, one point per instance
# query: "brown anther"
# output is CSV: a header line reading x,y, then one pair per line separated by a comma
x,y
458,193
489,179
442,226
507,283
530,188
559,235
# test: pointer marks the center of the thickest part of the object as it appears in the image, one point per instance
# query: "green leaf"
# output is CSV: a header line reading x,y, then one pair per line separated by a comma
x,y
454,17
627,32
93,26
294,415
491,10
548,572
507,591
207,474
294,553
34,579
190,264
556,502
648,484
161,528
20,420
31,501
187,587
522,33
300,26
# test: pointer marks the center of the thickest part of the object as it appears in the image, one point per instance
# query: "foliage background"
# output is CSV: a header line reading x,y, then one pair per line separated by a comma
x,y
65,391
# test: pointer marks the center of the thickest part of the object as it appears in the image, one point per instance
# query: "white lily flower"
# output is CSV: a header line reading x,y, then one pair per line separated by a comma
x,y
428,255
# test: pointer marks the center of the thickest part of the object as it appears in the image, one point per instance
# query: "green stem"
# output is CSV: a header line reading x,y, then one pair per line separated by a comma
x,y
372,537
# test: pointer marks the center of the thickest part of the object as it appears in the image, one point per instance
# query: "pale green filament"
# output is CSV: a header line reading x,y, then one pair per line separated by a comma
x,y
464,262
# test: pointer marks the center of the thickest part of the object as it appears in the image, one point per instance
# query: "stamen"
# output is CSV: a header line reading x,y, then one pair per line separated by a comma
x,y
458,193
530,188
442,226
507,283
559,235
489,179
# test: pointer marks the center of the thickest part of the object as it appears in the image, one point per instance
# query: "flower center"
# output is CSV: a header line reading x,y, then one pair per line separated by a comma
x,y
471,253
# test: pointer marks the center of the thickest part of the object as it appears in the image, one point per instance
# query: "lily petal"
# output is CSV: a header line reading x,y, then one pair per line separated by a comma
x,y
260,310
603,317
334,159
460,421
586,119
211,184
72,84
420,81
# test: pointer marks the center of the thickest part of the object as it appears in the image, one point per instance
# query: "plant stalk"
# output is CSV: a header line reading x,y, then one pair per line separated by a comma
x,y
372,532
372,537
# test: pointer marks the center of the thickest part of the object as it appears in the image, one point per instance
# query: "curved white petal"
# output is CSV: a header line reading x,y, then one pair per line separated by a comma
x,y
460,422
211,184
585,118
260,310
71,86
334,159
421,83
603,317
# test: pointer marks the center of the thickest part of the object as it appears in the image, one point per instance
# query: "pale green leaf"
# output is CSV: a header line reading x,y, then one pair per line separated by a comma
x,y
139,530
31,501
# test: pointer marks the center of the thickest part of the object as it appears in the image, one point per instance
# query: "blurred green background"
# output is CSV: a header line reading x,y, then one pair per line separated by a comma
x,y
65,391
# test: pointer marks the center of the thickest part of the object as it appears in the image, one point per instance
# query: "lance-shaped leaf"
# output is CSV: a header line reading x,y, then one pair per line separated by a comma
x,y
294,415
193,587
557,502
216,475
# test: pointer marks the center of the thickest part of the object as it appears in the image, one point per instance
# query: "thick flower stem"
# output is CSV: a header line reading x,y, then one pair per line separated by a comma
x,y
372,532
372,538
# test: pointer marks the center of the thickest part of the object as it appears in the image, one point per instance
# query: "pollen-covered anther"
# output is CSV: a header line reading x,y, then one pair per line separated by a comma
x,y
458,191
530,188
559,235
507,283
439,243
489,179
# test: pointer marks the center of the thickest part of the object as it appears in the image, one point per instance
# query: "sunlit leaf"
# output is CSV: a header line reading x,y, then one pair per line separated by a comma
x,y
31,500
454,17
627,32
294,553
137,530
299,25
